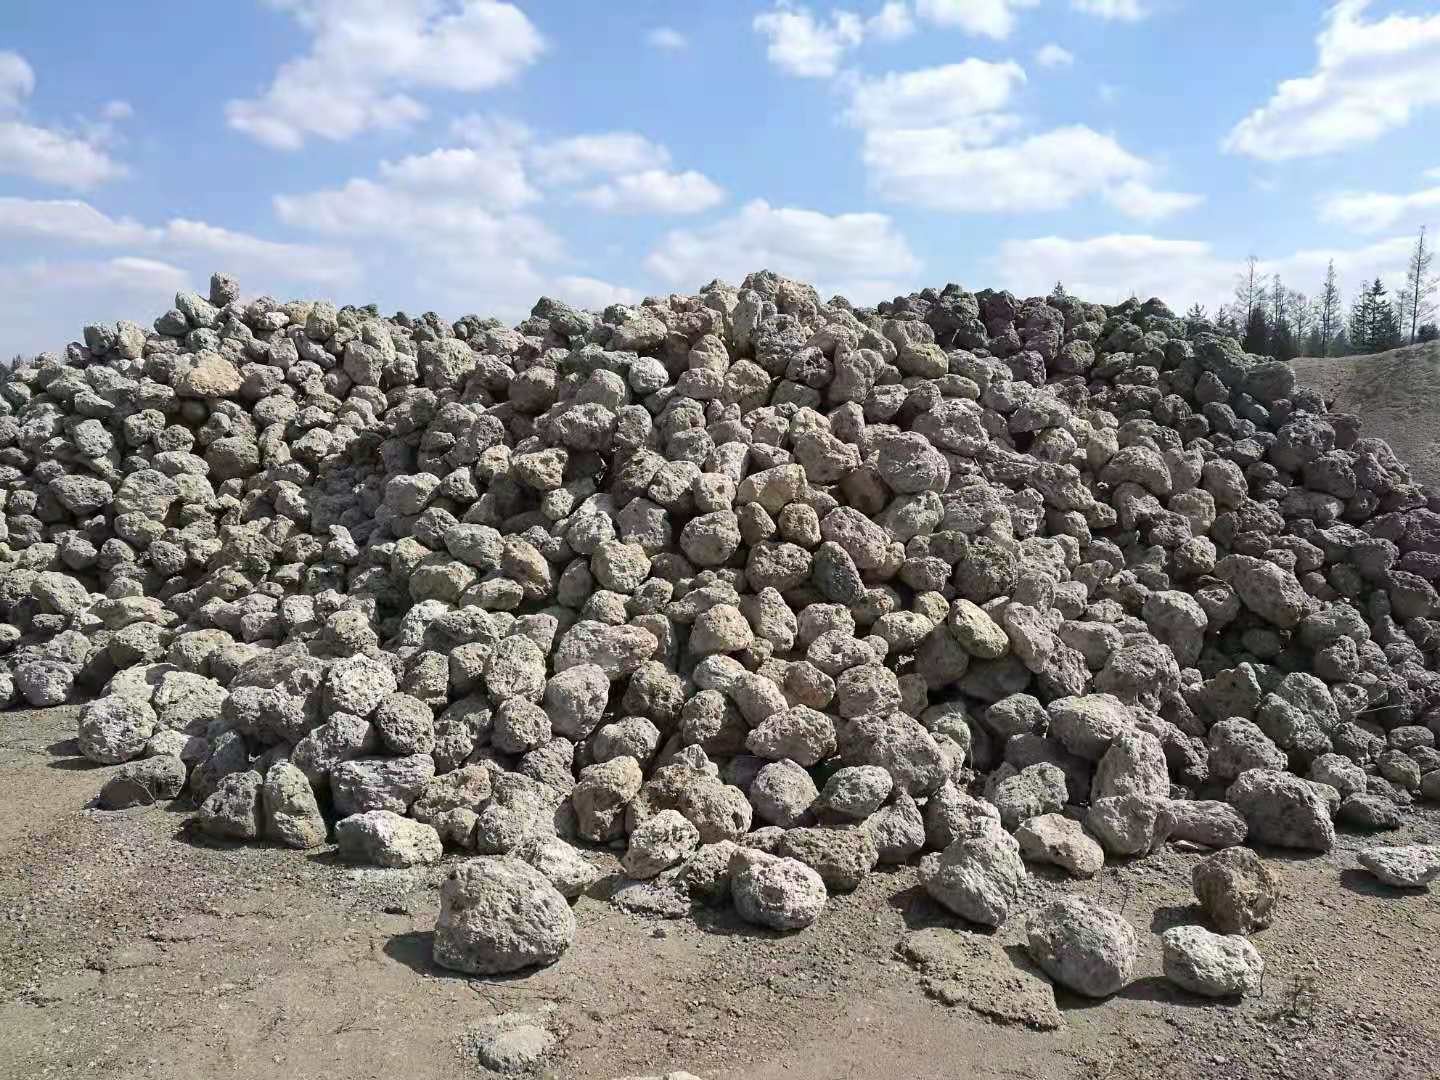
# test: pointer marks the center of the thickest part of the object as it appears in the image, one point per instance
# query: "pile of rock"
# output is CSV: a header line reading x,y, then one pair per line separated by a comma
x,y
762,590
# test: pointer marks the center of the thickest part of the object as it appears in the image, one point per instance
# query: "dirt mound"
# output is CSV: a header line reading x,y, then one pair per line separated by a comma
x,y
1396,393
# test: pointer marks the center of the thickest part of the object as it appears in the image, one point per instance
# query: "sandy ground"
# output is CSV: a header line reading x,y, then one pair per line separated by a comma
x,y
1398,395
130,948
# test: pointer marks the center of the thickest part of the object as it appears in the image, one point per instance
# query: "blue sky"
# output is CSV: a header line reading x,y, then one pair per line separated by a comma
x,y
472,155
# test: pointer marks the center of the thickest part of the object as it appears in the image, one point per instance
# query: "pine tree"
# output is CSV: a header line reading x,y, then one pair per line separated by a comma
x,y
1328,315
1058,295
1374,321
1282,332
1416,300
1196,319
1429,332
1257,332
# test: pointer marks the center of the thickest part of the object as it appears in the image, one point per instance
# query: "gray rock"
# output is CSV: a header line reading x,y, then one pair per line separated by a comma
x,y
1085,948
1062,842
499,915
385,838
978,878
232,812
1411,867
115,729
1282,810
780,893
292,815
658,843
1212,965
1236,890
144,783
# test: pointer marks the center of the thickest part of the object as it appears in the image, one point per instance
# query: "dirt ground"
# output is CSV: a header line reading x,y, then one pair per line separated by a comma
x,y
131,948
1397,393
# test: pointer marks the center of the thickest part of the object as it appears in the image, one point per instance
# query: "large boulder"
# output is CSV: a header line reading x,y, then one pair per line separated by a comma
x,y
499,915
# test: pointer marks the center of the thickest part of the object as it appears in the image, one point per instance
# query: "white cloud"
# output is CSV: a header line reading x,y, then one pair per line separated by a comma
x,y
655,191
591,293
117,110
1107,269
54,157
950,169
495,175
365,55
969,156
891,23
446,246
49,155
73,223
990,18
1137,199
667,38
1375,211
861,253
68,221
1054,56
243,253
17,80
1370,78
951,94
1123,10
573,159
800,44
45,303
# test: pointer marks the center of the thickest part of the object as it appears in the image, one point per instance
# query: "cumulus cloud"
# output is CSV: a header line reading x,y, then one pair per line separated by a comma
x,y
1370,78
1375,211
1054,56
655,191
987,18
366,56
862,255
800,43
970,154
950,94
73,223
48,155
495,174
891,23
578,157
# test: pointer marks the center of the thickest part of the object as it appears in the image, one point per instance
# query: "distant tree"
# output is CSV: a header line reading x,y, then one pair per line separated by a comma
x,y
1249,289
1374,321
1429,332
1416,299
1226,322
1282,331
1328,317
1257,332
1196,318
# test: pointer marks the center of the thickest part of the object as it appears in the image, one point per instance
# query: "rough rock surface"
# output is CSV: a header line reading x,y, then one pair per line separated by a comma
x,y
1213,965
499,915
1085,948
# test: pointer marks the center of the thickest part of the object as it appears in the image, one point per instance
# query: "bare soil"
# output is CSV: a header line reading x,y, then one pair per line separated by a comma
x,y
1398,395
130,947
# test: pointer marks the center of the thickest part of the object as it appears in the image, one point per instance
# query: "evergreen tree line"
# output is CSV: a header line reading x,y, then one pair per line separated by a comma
x,y
1271,319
